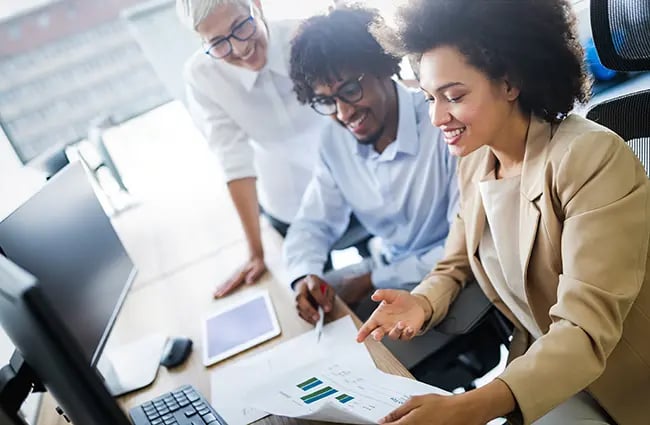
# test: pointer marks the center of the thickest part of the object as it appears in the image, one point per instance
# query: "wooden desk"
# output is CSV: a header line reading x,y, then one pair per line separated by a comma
x,y
176,305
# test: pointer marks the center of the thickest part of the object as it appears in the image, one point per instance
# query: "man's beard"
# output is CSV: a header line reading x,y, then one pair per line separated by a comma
x,y
372,139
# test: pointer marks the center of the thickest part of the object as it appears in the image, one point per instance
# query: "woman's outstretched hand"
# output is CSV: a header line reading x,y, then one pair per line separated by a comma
x,y
400,315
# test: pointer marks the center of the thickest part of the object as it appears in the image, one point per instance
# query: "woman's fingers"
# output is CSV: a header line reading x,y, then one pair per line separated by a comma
x,y
387,295
401,411
367,328
408,334
396,332
254,273
378,334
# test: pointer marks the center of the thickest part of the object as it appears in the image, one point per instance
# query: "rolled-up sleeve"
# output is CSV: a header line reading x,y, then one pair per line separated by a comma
x,y
321,220
225,138
604,195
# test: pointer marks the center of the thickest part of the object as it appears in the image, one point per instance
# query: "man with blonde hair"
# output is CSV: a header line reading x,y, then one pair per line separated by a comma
x,y
240,97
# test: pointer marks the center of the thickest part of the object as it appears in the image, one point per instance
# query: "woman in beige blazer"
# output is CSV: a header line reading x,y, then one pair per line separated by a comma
x,y
554,219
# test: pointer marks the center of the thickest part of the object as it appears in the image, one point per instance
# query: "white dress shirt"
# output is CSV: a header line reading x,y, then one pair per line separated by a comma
x,y
254,123
407,195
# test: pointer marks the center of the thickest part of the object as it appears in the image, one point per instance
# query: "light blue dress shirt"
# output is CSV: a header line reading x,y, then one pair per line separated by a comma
x,y
407,195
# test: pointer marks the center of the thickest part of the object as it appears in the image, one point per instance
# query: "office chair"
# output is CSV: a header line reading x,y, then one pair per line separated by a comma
x,y
622,39
475,331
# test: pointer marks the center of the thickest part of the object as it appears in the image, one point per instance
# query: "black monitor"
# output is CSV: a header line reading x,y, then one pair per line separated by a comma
x,y
47,353
63,237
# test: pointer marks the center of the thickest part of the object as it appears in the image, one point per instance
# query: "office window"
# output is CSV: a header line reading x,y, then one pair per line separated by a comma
x,y
43,20
14,32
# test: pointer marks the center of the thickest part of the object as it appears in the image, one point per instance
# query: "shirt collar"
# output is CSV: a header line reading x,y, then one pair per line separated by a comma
x,y
407,140
277,60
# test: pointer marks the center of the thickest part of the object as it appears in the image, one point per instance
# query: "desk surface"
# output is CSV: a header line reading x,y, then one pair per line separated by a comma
x,y
185,238
176,304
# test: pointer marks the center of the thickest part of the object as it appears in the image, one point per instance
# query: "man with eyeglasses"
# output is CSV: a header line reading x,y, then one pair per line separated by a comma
x,y
381,159
240,96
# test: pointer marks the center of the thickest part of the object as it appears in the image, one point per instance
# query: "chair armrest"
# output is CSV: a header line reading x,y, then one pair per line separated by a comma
x,y
468,310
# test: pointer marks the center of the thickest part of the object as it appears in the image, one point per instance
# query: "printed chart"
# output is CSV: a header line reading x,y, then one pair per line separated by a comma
x,y
337,392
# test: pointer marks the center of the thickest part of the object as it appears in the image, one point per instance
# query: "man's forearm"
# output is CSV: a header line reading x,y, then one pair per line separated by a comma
x,y
244,195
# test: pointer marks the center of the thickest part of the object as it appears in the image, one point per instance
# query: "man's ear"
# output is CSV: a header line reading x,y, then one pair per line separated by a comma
x,y
511,91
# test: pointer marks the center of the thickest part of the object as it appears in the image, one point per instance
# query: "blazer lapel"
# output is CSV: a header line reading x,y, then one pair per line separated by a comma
x,y
475,222
475,225
532,181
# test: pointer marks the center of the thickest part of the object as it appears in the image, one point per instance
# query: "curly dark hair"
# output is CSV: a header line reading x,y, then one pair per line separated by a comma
x,y
531,42
339,41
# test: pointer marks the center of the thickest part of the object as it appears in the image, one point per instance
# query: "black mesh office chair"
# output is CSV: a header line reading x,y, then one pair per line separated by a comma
x,y
621,32
476,330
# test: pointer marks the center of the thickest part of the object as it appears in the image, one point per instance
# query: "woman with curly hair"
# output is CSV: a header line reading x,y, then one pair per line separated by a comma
x,y
553,224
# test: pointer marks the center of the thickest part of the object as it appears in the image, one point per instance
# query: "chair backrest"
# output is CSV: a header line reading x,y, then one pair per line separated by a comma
x,y
629,117
622,38
621,33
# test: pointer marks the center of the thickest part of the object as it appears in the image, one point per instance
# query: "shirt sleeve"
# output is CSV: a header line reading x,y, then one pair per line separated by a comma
x,y
443,281
604,194
225,138
408,272
322,218
452,270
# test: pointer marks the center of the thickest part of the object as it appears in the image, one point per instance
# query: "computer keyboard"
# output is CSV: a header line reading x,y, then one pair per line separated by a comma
x,y
183,406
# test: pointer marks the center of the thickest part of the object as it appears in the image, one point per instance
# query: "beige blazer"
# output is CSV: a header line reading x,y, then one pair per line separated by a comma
x,y
584,229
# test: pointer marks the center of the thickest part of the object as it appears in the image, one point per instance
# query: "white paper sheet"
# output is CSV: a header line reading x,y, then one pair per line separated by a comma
x,y
336,392
230,384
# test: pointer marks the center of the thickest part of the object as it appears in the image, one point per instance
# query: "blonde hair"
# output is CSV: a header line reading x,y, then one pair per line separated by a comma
x,y
193,12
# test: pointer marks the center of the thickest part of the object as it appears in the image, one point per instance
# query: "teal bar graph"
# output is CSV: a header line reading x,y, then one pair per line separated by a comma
x,y
309,384
344,398
318,395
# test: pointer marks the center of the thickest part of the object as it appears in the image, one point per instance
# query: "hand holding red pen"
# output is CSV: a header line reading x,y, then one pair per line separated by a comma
x,y
311,292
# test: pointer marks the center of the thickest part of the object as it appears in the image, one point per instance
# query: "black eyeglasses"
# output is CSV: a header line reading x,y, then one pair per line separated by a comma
x,y
243,31
350,92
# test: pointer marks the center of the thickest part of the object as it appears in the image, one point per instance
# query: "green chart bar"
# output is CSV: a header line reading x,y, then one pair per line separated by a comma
x,y
309,384
317,395
344,398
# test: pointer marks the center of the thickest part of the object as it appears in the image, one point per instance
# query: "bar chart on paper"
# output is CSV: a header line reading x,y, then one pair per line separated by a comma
x,y
234,403
318,394
336,392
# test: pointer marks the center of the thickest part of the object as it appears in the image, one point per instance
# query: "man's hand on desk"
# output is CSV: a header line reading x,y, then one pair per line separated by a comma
x,y
311,292
248,274
355,289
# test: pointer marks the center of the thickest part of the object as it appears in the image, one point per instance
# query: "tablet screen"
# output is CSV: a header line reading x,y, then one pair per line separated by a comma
x,y
239,328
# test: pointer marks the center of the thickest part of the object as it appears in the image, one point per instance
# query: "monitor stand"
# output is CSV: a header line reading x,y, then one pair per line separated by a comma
x,y
17,381
132,366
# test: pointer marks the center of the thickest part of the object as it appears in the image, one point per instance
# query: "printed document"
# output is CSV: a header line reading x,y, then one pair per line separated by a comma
x,y
333,391
230,384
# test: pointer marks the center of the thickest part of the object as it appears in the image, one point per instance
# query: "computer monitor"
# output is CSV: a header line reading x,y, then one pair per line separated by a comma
x,y
52,356
62,236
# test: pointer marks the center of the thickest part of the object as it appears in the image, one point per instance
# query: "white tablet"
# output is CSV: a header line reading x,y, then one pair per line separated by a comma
x,y
248,322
